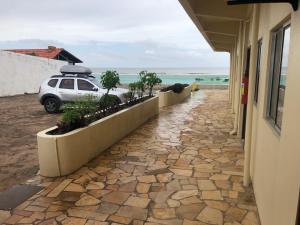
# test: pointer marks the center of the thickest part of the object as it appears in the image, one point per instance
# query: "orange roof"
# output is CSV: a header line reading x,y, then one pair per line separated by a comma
x,y
51,53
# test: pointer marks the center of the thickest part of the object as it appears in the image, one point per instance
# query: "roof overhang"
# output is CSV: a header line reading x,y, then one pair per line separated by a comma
x,y
294,3
64,53
217,21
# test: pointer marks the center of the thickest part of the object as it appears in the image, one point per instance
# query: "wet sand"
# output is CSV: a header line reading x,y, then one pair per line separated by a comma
x,y
21,118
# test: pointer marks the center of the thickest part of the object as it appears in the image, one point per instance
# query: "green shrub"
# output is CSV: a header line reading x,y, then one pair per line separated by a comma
x,y
140,88
71,117
150,80
133,89
108,101
142,83
78,114
129,96
109,80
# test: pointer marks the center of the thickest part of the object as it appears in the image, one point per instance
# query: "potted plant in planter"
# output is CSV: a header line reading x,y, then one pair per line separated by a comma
x,y
99,127
150,80
77,114
109,80
133,89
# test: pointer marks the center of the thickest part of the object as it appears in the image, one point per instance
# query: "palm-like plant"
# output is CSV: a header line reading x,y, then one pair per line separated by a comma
x,y
150,79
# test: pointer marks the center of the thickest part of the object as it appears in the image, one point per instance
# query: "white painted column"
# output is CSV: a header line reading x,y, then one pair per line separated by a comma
x,y
234,78
230,77
251,89
240,58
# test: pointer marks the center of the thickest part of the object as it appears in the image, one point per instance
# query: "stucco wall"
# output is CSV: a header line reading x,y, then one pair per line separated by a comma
x,y
275,157
21,74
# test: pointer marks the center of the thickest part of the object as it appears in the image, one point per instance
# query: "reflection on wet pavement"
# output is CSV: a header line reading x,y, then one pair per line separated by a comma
x,y
180,168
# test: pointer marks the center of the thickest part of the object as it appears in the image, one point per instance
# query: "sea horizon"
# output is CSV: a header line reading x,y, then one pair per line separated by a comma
x,y
166,70
202,75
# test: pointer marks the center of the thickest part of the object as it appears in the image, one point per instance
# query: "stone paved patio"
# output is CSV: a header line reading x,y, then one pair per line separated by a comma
x,y
182,168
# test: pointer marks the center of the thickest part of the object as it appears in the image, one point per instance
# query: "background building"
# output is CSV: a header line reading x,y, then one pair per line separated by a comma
x,y
23,70
50,53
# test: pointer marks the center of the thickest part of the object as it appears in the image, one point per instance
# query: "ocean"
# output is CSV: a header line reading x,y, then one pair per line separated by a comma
x,y
206,76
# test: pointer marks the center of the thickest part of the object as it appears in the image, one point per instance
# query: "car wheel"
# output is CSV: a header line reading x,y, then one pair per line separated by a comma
x,y
51,105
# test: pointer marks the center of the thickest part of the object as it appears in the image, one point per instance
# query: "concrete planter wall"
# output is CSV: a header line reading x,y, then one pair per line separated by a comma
x,y
170,98
61,155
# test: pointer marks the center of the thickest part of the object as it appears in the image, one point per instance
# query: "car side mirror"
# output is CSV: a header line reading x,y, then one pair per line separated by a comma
x,y
95,89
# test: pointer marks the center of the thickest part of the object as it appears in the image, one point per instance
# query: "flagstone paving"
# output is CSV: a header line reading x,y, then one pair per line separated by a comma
x,y
182,168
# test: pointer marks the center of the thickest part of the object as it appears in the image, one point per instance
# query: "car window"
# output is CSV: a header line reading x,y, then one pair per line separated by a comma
x,y
84,85
67,84
52,82
96,82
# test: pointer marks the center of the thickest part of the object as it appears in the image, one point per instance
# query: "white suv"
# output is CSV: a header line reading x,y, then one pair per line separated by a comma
x,y
70,86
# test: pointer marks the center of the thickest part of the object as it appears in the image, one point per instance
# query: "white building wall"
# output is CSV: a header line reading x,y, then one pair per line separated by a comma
x,y
21,74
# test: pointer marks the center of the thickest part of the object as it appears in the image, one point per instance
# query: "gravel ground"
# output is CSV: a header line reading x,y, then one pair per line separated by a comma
x,y
21,118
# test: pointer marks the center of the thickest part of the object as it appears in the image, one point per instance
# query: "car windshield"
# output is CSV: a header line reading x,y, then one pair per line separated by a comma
x,y
96,82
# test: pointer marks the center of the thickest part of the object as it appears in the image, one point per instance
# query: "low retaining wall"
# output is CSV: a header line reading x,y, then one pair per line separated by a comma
x,y
61,155
170,98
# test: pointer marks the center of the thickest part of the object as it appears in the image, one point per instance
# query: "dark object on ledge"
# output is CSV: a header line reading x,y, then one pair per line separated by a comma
x,y
176,88
294,3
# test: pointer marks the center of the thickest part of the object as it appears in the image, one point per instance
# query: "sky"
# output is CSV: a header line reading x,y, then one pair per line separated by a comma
x,y
109,33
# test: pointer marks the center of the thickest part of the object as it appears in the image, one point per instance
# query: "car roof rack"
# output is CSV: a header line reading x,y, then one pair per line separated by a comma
x,y
72,69
74,75
75,71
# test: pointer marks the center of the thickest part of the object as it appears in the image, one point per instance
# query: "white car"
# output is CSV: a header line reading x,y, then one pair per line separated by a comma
x,y
73,83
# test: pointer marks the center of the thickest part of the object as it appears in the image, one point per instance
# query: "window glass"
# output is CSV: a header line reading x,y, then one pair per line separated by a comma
x,y
84,85
52,82
279,63
283,75
259,45
67,84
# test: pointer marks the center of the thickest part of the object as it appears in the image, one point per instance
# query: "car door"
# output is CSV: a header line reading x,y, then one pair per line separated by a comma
x,y
66,89
85,87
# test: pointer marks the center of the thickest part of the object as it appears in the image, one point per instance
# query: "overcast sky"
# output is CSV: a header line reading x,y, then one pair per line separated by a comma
x,y
109,33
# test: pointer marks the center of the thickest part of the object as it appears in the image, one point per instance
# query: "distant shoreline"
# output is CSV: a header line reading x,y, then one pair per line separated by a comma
x,y
167,70
203,76
201,86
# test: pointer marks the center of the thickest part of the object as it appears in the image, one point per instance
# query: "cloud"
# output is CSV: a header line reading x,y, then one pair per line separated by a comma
x,y
150,52
136,32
